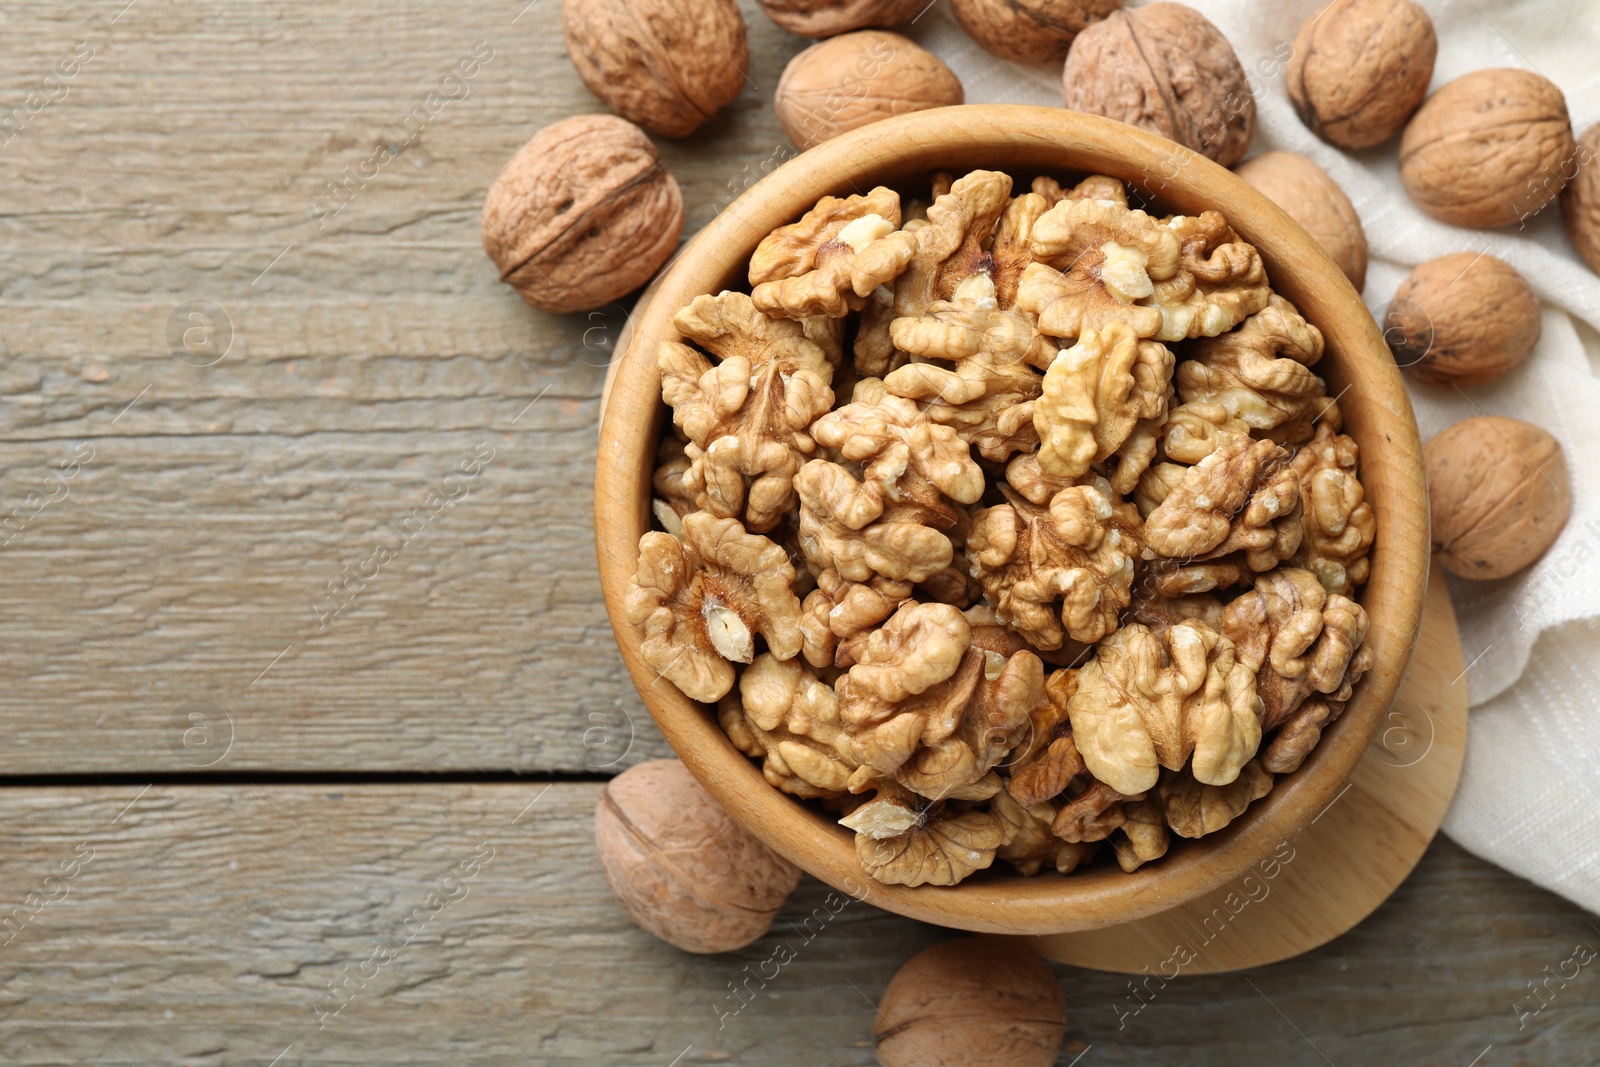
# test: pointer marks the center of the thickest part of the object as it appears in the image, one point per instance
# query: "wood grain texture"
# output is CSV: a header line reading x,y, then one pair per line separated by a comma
x,y
371,351
1025,141
209,922
1336,870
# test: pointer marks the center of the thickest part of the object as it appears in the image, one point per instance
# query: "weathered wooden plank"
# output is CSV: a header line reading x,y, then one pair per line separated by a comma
x,y
362,355
205,925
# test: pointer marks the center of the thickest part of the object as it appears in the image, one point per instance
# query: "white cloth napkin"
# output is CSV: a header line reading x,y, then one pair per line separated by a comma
x,y
1530,792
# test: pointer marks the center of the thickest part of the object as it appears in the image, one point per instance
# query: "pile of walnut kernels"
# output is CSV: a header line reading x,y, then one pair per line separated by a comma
x,y
1027,518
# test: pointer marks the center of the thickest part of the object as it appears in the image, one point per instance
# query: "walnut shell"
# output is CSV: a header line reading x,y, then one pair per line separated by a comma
x,y
1499,495
825,18
668,65
583,214
1491,148
680,865
1462,319
971,1000
858,78
1315,201
1360,68
1580,200
1186,83
1029,31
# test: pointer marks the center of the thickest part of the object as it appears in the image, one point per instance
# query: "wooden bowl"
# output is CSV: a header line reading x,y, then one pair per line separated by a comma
x,y
1026,141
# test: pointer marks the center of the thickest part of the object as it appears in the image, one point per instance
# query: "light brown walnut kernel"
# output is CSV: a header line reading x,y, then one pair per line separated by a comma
x,y
1198,428
1011,249
1312,198
874,351
700,602
1095,263
1094,187
889,521
824,18
1144,835
1499,494
1297,638
1090,816
1165,68
1338,523
856,79
942,849
950,246
1220,280
1048,774
1029,31
1148,701
1194,809
680,865
939,730
1028,844
1360,68
788,718
1078,552
840,610
673,499
832,259
987,397
1491,148
746,417
1095,393
1462,319
668,65
1261,372
583,214
1244,497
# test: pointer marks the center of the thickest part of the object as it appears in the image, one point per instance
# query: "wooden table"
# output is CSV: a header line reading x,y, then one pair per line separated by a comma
x,y
228,791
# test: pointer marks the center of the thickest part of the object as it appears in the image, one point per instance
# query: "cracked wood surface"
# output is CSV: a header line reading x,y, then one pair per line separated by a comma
x,y
169,612
205,924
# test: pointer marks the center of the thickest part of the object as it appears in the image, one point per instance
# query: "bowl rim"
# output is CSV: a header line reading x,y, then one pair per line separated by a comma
x,y
1023,140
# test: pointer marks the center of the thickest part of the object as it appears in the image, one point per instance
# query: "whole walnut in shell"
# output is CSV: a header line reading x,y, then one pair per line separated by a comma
x,y
1029,31
1165,68
1499,495
1314,200
1491,148
680,865
824,18
971,1000
1462,319
1360,68
858,78
583,214
1580,200
668,65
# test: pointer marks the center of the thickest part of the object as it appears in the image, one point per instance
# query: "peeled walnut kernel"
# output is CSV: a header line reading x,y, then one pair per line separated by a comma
x,y
1580,200
849,81
971,1000
1491,148
1165,68
1314,200
583,214
1360,68
1462,319
1499,495
1029,31
679,864
824,18
668,65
